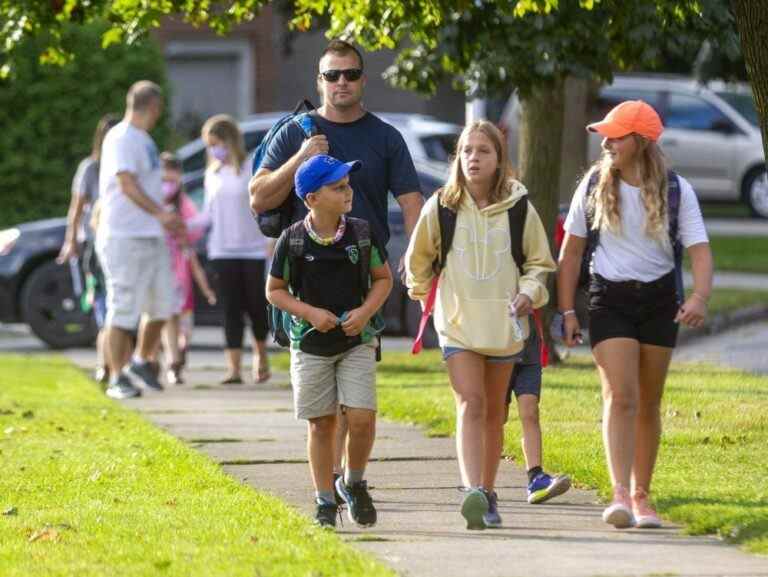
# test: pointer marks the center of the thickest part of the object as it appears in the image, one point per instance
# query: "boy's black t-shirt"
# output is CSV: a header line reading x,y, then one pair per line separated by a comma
x,y
329,279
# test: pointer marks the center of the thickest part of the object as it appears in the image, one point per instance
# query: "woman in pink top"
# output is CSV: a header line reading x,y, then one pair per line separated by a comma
x,y
186,266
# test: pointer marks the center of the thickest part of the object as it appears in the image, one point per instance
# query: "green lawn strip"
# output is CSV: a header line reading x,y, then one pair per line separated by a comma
x,y
738,253
724,300
711,470
725,210
91,488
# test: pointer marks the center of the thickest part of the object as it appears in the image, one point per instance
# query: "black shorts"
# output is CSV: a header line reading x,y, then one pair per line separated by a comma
x,y
644,311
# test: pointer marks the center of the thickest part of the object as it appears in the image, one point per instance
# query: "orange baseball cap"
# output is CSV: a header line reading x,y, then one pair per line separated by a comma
x,y
628,117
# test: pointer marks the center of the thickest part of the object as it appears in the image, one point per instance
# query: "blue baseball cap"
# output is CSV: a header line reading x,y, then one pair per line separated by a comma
x,y
320,170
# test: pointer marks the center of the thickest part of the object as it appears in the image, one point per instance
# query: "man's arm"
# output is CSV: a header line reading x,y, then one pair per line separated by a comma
x,y
131,188
410,203
269,188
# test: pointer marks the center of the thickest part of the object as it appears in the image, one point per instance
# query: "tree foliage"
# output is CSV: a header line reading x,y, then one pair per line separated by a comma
x,y
489,46
49,113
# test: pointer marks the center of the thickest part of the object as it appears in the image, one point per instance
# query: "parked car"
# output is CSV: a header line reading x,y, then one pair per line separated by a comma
x,y
711,133
35,290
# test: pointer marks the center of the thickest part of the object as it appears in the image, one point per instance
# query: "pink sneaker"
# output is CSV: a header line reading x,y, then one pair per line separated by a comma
x,y
619,512
645,515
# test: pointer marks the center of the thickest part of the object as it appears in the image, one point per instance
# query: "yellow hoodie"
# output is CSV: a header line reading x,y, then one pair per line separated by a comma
x,y
480,276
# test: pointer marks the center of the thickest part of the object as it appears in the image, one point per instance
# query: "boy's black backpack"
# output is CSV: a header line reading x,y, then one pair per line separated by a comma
x,y
517,215
279,320
593,236
274,221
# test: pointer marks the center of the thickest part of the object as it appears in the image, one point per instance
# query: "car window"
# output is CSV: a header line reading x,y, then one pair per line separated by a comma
x,y
194,162
439,146
693,113
610,97
743,103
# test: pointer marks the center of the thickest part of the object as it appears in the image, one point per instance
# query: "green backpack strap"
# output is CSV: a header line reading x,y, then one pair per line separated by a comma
x,y
362,231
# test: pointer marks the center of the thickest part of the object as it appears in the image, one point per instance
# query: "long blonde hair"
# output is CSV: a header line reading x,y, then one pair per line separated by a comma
x,y
454,190
604,203
224,127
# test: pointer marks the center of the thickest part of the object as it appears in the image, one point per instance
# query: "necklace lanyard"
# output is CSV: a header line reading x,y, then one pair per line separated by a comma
x,y
325,241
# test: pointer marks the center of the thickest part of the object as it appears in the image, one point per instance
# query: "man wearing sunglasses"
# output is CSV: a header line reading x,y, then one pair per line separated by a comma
x,y
346,131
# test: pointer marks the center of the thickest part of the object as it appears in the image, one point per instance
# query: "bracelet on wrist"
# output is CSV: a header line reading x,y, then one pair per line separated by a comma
x,y
568,312
701,298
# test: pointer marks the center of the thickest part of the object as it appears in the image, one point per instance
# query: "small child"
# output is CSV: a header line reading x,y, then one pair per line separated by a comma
x,y
333,343
177,331
526,384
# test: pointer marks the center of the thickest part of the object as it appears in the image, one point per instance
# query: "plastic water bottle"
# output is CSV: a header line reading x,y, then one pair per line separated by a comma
x,y
517,328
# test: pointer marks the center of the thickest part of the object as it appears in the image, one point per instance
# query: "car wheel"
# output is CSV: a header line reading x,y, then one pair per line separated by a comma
x,y
50,308
412,317
755,191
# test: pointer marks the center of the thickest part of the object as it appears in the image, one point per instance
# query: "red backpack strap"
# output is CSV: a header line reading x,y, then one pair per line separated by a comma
x,y
539,328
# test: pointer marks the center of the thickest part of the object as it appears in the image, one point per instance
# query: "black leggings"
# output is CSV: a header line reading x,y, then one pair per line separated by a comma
x,y
241,290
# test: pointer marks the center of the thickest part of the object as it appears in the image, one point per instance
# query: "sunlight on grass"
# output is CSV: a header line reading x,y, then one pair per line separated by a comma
x,y
712,464
90,488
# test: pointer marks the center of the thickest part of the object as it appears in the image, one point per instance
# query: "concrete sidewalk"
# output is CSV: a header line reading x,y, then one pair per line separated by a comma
x,y
251,432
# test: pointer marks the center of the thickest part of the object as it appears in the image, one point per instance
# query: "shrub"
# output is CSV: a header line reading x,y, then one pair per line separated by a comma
x,y
48,114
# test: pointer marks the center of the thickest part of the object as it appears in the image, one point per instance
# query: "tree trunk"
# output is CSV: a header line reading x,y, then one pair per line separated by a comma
x,y
541,135
574,159
752,23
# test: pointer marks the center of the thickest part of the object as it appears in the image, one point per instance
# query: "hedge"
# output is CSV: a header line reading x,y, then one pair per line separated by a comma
x,y
48,114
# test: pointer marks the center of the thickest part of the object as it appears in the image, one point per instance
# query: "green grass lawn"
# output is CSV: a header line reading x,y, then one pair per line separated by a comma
x,y
713,461
725,210
728,300
90,488
739,253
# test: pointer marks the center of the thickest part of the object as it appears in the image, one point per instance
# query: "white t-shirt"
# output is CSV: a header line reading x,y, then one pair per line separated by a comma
x,y
128,149
234,230
632,254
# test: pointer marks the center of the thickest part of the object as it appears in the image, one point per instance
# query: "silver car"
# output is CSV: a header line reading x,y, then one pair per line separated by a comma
x,y
711,134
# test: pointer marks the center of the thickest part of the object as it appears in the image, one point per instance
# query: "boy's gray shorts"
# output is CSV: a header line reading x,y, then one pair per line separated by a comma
x,y
526,376
320,384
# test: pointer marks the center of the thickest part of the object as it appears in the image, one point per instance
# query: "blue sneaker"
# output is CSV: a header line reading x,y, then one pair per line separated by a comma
x,y
543,487
492,519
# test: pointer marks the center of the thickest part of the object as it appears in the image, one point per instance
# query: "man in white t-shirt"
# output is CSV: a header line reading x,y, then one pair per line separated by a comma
x,y
131,241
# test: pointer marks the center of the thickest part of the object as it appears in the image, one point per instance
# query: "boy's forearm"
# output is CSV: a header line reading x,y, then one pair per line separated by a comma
x,y
284,300
377,296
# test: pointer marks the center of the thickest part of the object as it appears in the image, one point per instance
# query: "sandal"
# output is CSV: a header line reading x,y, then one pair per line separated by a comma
x,y
232,380
262,374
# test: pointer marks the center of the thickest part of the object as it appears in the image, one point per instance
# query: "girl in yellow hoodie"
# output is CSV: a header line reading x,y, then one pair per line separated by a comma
x,y
479,288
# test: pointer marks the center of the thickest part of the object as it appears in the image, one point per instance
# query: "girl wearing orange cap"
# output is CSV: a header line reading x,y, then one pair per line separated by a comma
x,y
629,220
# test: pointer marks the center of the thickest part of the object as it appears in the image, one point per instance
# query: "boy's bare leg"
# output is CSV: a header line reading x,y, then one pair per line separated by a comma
x,y
362,430
321,441
341,442
528,409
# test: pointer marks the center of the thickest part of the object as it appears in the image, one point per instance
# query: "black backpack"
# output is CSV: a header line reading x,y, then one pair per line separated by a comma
x,y
279,320
516,214
274,221
593,236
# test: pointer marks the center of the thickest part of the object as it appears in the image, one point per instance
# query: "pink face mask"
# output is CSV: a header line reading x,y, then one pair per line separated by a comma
x,y
218,152
170,187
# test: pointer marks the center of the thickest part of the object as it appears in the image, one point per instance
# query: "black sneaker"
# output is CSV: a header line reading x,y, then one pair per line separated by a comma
x,y
144,374
122,389
360,507
325,515
339,499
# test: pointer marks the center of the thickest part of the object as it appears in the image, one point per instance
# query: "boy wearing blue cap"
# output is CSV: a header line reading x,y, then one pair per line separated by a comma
x,y
317,277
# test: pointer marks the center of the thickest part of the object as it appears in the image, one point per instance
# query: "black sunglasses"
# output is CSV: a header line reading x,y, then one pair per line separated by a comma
x,y
351,74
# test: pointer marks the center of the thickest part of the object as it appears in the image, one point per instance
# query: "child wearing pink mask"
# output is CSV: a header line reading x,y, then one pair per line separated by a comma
x,y
177,332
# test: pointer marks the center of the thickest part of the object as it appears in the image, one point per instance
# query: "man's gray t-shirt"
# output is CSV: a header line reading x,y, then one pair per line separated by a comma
x,y
86,184
387,165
